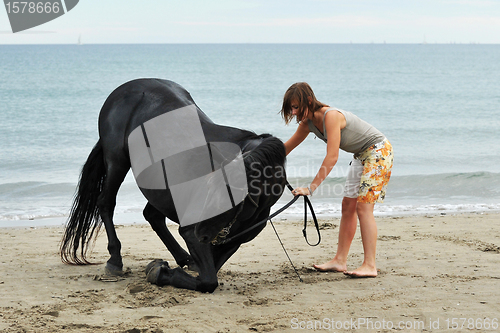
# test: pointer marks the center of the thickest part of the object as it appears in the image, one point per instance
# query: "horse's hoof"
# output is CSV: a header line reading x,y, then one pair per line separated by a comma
x,y
113,270
155,263
154,274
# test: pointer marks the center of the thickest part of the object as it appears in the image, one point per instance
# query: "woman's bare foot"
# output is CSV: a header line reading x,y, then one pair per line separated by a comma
x,y
363,272
331,266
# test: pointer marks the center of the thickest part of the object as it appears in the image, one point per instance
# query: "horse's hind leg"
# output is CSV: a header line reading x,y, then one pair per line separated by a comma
x,y
157,221
115,174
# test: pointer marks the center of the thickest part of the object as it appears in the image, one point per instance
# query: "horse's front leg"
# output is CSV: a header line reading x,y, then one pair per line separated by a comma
x,y
222,253
202,256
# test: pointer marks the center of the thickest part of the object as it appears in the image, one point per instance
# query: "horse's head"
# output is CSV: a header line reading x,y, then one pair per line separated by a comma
x,y
264,159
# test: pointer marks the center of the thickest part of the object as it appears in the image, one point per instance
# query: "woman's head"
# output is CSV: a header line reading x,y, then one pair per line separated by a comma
x,y
298,100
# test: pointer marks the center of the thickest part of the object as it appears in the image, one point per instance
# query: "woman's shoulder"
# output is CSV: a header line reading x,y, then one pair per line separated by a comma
x,y
333,114
334,118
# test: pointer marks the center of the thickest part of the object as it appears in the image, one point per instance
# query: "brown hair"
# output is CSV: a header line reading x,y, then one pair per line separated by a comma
x,y
303,94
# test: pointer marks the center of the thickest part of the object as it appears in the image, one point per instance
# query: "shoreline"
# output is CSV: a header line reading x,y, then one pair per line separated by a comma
x,y
131,218
431,268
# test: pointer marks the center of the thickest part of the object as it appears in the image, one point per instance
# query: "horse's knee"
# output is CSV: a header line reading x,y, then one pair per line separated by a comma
x,y
208,286
207,282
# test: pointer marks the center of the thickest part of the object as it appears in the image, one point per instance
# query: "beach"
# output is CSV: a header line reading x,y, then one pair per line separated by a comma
x,y
436,272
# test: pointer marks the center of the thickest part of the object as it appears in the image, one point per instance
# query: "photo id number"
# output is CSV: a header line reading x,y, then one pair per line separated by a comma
x,y
22,7
472,323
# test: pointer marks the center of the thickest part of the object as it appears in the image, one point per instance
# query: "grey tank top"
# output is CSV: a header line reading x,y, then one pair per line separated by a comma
x,y
355,137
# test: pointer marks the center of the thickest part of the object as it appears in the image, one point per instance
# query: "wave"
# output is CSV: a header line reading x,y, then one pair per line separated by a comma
x,y
477,185
333,209
436,193
414,194
38,200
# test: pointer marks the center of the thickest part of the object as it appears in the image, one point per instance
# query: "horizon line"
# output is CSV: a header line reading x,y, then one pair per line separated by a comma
x,y
265,43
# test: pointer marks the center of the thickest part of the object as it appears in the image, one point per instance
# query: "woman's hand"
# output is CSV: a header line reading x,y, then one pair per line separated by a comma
x,y
301,191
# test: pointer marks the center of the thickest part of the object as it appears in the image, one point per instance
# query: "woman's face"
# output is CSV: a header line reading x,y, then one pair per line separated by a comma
x,y
295,110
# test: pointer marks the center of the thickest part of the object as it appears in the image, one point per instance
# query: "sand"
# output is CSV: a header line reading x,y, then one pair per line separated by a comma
x,y
433,269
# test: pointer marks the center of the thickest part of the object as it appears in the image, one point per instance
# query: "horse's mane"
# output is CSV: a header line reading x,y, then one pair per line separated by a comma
x,y
269,152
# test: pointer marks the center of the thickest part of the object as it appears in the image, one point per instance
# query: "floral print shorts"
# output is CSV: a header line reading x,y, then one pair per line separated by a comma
x,y
374,165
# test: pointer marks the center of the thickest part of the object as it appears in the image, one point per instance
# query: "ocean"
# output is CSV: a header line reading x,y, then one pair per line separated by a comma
x,y
439,105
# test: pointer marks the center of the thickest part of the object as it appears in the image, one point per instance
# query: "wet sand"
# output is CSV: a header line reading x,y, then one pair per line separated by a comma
x,y
431,269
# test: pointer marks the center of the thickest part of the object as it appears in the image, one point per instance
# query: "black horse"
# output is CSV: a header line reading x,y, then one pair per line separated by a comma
x,y
127,108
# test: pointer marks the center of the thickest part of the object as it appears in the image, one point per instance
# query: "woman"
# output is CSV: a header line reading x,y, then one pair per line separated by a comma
x,y
367,178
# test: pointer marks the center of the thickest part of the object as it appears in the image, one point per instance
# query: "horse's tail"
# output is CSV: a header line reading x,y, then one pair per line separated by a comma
x,y
84,220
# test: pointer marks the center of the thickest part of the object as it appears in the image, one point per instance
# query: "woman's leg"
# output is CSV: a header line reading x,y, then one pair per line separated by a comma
x,y
348,223
368,228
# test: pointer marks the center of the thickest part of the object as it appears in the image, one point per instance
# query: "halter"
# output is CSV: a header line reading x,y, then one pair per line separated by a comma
x,y
221,239
221,236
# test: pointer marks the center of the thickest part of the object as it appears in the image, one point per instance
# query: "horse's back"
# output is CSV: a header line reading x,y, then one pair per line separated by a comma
x,y
138,101
144,122
156,128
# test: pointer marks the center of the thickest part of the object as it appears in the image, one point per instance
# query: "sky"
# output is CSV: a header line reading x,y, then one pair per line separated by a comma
x,y
266,21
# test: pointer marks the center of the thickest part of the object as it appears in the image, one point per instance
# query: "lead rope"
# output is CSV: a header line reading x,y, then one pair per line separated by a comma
x,y
283,246
307,203
219,240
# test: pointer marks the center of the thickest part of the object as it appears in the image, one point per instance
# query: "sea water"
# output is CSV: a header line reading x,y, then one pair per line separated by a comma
x,y
439,105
